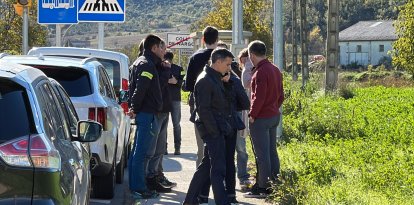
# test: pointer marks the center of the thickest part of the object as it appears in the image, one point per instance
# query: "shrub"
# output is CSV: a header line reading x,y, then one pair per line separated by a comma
x,y
386,61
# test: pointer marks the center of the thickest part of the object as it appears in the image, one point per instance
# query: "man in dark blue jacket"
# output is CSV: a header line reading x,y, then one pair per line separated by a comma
x,y
146,102
195,66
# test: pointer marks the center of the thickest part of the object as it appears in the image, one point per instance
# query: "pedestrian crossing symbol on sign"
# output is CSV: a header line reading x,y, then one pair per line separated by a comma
x,y
101,11
101,7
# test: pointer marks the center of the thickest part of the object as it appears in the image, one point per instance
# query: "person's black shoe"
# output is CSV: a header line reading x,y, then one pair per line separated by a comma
x,y
162,189
163,181
177,152
144,195
257,192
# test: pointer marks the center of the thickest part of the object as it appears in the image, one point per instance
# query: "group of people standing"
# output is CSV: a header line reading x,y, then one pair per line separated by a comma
x,y
226,103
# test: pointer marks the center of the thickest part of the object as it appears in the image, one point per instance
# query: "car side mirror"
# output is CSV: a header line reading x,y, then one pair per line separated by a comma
x,y
123,96
88,131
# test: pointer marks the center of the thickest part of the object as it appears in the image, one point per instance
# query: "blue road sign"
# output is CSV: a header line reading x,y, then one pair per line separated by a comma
x,y
101,10
57,11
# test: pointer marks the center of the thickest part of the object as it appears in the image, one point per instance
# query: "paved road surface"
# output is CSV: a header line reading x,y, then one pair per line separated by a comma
x,y
179,169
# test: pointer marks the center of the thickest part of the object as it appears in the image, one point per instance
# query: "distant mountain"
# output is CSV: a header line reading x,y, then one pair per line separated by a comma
x,y
144,16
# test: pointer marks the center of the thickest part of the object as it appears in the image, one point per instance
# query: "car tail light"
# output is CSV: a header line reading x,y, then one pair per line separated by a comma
x,y
101,116
98,114
124,84
17,153
124,105
42,155
91,113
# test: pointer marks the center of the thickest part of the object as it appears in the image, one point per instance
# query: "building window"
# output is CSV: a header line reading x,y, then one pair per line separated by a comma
x,y
381,48
359,49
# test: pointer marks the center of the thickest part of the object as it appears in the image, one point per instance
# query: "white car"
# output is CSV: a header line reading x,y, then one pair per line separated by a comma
x,y
89,87
116,65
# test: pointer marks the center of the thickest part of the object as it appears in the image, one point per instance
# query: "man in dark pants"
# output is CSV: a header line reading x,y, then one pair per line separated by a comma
x,y
195,66
175,82
146,102
211,106
156,179
237,100
266,98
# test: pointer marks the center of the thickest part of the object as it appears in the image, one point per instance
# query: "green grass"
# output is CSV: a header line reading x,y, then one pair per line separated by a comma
x,y
354,150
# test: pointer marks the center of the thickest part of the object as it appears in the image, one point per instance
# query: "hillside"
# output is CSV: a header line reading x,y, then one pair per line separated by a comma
x,y
144,16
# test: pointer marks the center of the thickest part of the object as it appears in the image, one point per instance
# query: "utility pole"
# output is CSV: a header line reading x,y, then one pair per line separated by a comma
x,y
332,47
237,34
237,27
278,46
304,43
294,44
58,35
101,35
25,43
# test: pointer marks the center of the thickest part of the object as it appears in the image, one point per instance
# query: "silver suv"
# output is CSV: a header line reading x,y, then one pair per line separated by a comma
x,y
44,155
90,89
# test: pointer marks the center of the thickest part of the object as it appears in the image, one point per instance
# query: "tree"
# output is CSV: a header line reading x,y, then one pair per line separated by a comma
x,y
11,28
316,43
403,55
254,18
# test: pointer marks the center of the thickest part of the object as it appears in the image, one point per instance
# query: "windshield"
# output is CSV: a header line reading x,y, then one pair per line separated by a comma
x,y
75,80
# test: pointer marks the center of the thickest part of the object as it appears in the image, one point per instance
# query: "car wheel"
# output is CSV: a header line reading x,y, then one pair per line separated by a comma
x,y
120,169
104,186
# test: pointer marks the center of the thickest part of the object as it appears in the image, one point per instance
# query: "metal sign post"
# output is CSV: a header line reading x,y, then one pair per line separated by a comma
x,y
101,35
58,35
179,57
25,43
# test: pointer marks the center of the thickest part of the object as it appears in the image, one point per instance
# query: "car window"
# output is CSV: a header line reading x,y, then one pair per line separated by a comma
x,y
109,92
16,115
75,80
102,88
68,109
113,68
51,112
109,84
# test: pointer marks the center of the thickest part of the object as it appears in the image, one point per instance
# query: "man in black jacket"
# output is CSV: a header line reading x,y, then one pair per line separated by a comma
x,y
195,66
175,82
237,100
211,108
146,102
156,179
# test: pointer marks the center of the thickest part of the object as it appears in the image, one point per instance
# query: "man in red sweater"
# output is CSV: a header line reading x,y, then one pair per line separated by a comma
x,y
266,98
